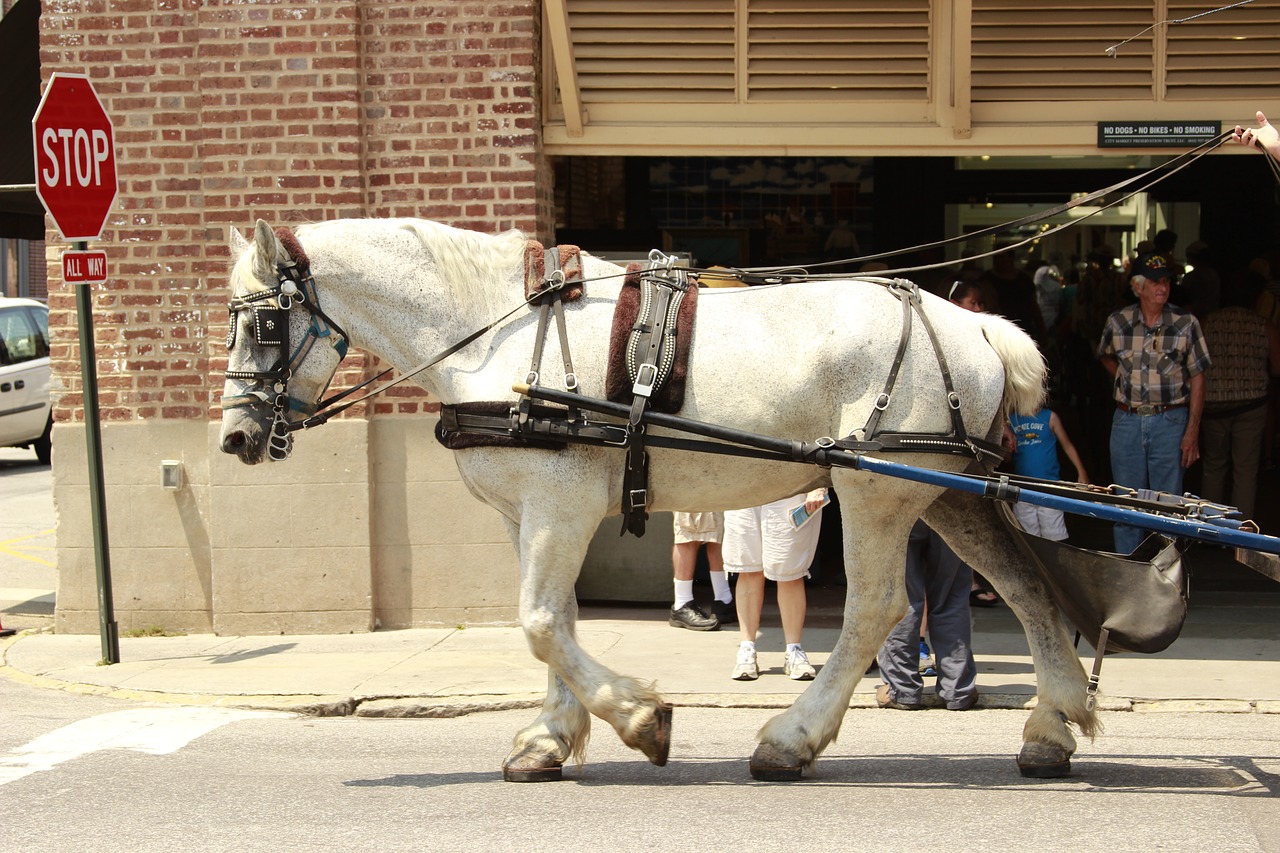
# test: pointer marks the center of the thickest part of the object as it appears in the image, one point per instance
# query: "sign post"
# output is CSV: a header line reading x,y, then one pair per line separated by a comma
x,y
77,184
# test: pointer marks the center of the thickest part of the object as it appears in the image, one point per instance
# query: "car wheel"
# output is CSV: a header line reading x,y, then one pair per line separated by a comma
x,y
43,446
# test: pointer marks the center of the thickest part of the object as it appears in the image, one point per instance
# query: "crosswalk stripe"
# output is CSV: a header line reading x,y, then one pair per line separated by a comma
x,y
155,731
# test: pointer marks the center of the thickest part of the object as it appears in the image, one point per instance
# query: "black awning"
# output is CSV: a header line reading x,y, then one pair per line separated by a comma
x,y
21,214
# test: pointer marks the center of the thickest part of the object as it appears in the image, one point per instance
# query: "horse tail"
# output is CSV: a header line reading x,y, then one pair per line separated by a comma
x,y
1024,367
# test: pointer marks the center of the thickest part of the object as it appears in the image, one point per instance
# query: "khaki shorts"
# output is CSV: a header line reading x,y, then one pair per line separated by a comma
x,y
698,527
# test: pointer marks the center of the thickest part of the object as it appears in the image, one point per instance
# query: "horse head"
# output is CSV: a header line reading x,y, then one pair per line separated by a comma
x,y
276,373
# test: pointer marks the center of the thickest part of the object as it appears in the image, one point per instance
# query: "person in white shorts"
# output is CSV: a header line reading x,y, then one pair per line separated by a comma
x,y
691,531
763,543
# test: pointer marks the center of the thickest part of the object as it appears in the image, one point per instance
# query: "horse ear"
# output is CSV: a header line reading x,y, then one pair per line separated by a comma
x,y
267,248
238,243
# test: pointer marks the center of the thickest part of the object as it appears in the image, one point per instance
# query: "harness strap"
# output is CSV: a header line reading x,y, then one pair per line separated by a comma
x,y
652,351
953,399
1096,675
909,295
550,299
904,337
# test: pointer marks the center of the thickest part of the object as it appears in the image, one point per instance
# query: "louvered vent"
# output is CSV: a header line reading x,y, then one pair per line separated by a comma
x,y
690,51
835,50
654,50
1056,50
1234,53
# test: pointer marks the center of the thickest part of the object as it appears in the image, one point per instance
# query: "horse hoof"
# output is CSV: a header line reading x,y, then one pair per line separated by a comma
x,y
532,774
1044,761
529,768
769,764
661,736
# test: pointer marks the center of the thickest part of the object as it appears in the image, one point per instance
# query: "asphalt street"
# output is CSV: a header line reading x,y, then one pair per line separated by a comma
x,y
89,773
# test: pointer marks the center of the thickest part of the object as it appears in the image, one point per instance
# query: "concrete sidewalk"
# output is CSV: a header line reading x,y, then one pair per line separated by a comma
x,y
1227,660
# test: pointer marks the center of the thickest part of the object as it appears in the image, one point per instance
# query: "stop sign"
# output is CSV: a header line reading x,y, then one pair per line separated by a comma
x,y
75,157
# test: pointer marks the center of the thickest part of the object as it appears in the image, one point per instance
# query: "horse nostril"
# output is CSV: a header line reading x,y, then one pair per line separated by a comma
x,y
233,442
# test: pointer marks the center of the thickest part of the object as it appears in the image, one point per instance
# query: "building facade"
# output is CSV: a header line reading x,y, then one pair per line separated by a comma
x,y
467,112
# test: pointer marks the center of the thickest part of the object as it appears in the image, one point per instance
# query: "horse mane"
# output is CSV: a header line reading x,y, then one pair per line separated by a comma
x,y
471,262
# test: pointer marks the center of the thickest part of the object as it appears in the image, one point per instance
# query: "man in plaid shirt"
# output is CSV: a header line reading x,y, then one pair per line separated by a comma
x,y
1158,356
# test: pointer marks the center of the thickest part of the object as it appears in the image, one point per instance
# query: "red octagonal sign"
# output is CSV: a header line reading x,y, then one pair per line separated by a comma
x,y
75,157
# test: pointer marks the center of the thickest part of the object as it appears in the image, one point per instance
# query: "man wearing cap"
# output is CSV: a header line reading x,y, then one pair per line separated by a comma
x,y
1157,356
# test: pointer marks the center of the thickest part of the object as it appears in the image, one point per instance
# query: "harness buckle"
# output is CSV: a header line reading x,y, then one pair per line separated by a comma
x,y
953,400
570,382
624,432
531,378
882,402
646,378
637,499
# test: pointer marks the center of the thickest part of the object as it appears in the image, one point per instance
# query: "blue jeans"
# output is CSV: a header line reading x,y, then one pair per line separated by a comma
x,y
936,578
1146,453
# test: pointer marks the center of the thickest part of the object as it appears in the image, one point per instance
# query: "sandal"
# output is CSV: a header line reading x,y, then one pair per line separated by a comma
x,y
983,598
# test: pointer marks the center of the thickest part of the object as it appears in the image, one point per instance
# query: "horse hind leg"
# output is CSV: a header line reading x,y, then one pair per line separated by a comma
x,y
969,525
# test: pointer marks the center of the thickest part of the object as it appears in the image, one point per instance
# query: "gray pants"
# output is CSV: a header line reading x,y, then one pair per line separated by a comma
x,y
936,577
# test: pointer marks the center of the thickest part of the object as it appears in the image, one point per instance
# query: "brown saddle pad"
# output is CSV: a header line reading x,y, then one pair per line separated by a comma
x,y
535,270
670,397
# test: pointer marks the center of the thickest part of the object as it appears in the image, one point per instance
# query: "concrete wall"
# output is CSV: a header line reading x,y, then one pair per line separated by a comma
x,y
365,526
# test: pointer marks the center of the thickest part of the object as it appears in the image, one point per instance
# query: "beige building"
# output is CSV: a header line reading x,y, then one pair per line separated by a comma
x,y
494,114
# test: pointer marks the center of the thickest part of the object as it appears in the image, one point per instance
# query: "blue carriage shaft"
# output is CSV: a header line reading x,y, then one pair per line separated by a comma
x,y
1219,531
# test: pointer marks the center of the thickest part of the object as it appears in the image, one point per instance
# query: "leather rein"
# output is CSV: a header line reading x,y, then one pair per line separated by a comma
x,y
295,287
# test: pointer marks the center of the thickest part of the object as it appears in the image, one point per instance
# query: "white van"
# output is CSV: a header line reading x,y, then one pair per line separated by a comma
x,y
25,412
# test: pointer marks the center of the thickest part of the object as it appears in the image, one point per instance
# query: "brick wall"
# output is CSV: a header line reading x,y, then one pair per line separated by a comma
x,y
226,112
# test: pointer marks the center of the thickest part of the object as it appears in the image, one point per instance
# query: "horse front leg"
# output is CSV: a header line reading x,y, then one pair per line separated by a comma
x,y
969,525
874,559
551,555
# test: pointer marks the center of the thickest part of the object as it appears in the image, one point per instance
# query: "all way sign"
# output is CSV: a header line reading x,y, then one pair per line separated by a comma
x,y
84,267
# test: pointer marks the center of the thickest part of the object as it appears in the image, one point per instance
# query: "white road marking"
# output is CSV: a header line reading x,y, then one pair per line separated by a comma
x,y
155,731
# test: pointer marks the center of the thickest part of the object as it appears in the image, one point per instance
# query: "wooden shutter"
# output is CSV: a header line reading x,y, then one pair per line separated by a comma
x,y
1056,50
740,51
1234,53
654,50
834,50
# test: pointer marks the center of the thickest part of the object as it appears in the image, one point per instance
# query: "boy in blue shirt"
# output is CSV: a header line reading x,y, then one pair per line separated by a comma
x,y
1036,455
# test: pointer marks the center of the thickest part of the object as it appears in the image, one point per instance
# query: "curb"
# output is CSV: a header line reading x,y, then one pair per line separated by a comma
x,y
441,707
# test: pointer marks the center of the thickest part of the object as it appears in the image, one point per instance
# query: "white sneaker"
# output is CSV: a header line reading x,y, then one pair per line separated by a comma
x,y
797,666
746,669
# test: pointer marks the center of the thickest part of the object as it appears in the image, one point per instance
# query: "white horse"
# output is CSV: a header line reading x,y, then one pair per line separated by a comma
x,y
796,361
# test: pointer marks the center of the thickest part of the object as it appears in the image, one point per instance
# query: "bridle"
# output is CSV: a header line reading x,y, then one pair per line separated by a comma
x,y
295,287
